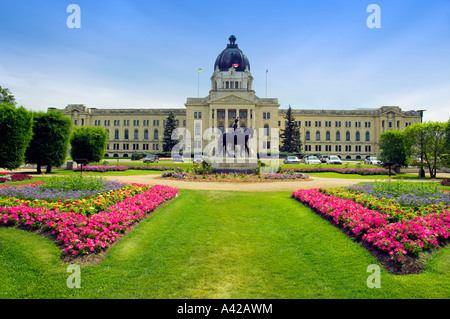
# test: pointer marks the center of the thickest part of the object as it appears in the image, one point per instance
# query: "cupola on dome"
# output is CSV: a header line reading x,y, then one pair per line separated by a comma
x,y
232,56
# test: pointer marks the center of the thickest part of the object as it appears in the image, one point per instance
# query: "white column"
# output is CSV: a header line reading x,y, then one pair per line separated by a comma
x,y
226,120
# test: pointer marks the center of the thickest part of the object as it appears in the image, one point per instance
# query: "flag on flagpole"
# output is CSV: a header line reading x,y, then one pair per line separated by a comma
x,y
200,70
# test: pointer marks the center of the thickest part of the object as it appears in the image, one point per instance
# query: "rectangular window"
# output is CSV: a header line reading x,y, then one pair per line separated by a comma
x,y
264,115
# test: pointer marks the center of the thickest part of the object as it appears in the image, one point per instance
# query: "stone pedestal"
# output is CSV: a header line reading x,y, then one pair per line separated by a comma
x,y
235,165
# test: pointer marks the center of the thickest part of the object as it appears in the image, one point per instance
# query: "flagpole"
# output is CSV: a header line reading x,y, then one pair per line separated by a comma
x,y
198,81
266,82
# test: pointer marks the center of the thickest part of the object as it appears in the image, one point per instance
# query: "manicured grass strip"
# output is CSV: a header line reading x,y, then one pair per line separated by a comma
x,y
212,244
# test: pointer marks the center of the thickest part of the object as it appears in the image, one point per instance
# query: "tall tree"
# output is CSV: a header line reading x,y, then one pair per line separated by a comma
x,y
395,147
428,140
446,155
6,96
169,127
88,143
290,136
50,142
16,130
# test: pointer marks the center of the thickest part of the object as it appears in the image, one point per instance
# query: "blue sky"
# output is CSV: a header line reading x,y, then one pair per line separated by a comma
x,y
145,54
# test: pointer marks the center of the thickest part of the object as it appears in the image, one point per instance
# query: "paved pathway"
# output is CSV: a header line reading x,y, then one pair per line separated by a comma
x,y
314,182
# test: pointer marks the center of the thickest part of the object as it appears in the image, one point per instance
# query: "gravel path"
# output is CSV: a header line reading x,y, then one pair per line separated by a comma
x,y
314,182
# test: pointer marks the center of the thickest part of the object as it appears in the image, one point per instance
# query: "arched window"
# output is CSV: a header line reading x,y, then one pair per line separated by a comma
x,y
327,135
347,136
116,134
125,135
307,136
136,134
317,136
358,136
338,136
146,135
155,134
367,136
266,130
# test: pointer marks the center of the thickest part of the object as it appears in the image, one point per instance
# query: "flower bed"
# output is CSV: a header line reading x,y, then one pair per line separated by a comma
x,y
360,171
387,223
111,168
87,225
445,182
235,177
7,177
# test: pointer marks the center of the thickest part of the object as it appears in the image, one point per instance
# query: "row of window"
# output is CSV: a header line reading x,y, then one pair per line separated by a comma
x,y
338,148
136,134
327,123
135,122
135,147
337,137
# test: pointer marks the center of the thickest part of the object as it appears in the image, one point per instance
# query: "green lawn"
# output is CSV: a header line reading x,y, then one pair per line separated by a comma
x,y
218,244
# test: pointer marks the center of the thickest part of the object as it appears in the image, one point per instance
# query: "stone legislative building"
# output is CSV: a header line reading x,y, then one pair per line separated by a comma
x,y
350,134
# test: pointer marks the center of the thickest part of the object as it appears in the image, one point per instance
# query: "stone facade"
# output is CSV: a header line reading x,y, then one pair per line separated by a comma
x,y
350,134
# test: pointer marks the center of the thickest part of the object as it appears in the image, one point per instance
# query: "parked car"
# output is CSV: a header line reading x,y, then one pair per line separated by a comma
x,y
334,160
151,159
372,161
201,158
312,160
291,160
323,158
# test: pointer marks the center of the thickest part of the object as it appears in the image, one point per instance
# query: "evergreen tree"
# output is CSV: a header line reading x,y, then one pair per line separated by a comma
x,y
169,127
290,135
50,142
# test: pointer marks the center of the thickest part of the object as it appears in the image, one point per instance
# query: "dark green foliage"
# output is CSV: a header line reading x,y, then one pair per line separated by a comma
x,y
290,136
395,148
446,154
169,127
88,143
50,142
15,135
137,156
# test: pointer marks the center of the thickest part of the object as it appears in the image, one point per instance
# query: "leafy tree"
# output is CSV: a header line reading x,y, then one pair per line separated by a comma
x,y
395,147
16,125
446,155
50,142
169,127
428,139
290,135
6,96
88,143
